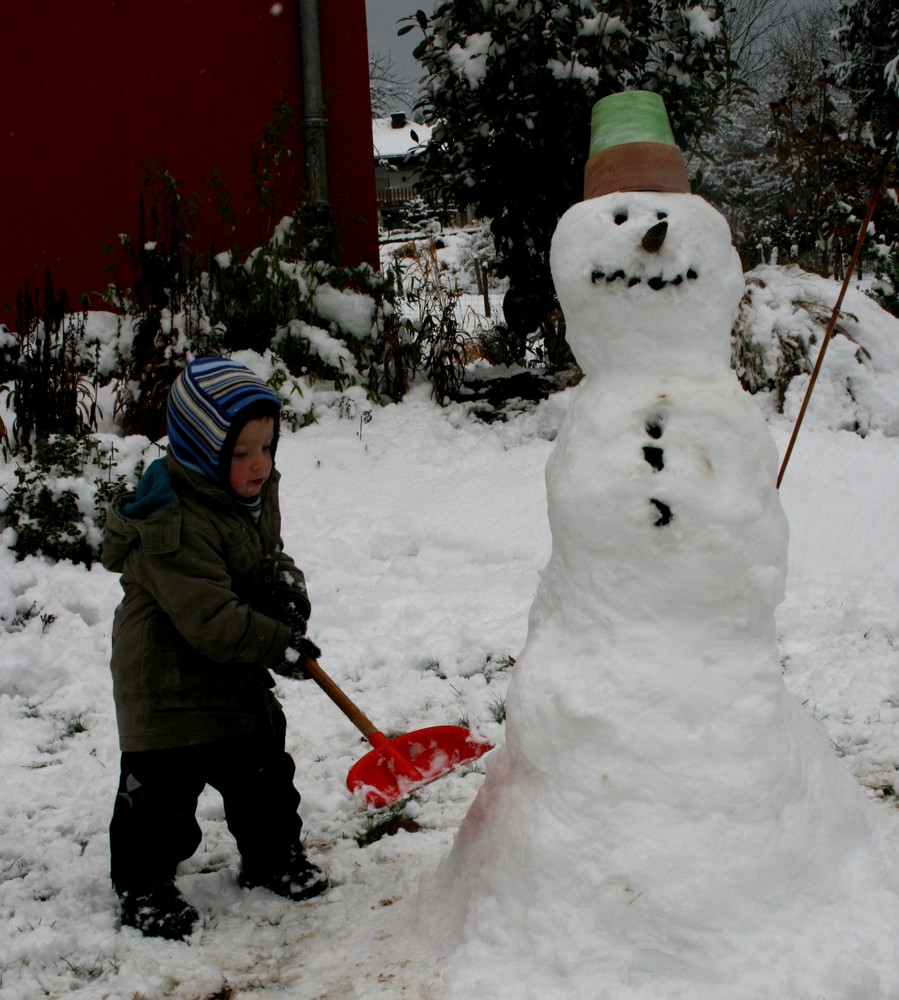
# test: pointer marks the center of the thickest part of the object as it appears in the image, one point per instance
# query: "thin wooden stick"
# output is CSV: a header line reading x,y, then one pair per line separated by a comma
x,y
872,204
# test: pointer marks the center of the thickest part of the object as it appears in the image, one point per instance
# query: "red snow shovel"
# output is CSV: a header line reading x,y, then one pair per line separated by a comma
x,y
398,766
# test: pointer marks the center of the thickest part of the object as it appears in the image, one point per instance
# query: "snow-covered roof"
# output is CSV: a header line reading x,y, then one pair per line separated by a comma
x,y
390,141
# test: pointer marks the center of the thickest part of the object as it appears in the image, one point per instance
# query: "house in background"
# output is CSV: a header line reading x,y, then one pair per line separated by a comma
x,y
96,92
398,145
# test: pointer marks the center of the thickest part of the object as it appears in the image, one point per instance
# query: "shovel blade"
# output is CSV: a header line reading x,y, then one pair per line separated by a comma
x,y
399,766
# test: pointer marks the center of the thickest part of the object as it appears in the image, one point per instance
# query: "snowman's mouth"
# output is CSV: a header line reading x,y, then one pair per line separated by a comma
x,y
656,282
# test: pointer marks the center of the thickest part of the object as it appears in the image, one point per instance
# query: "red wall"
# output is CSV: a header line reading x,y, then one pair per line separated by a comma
x,y
92,89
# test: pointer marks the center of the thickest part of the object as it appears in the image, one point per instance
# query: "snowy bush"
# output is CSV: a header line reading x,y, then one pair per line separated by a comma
x,y
778,333
435,339
54,503
327,324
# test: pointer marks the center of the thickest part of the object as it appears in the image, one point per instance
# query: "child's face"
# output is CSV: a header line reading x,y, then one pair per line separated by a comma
x,y
251,460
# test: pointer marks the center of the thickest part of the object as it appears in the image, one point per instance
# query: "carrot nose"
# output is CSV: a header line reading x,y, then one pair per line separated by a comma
x,y
655,237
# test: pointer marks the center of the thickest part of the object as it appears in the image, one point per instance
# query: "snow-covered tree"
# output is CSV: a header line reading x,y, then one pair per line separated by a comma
x,y
868,36
510,91
741,177
790,171
813,147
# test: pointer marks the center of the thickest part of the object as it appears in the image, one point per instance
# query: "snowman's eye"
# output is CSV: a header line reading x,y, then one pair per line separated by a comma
x,y
661,215
620,218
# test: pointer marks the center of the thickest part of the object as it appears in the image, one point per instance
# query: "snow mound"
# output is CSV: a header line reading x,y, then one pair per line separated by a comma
x,y
779,332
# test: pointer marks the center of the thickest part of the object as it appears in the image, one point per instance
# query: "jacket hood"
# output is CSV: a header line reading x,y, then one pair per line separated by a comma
x,y
154,492
150,515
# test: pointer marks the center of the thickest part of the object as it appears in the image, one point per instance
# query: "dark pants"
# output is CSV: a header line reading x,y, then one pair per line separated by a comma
x,y
154,825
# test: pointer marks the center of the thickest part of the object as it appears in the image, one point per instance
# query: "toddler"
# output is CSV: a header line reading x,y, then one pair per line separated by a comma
x,y
211,603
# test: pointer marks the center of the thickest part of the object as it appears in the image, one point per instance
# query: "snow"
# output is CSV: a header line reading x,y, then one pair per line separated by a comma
x,y
392,142
469,60
573,70
700,22
424,534
891,74
603,25
354,311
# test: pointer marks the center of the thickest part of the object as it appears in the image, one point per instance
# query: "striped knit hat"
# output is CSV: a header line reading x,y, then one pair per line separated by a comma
x,y
209,403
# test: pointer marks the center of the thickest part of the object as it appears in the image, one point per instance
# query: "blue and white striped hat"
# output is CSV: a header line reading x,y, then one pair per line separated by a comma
x,y
209,403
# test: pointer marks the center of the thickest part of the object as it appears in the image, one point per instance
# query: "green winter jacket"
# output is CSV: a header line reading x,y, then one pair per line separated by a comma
x,y
191,639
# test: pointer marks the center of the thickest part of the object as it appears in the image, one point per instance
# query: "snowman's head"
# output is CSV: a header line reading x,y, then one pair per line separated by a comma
x,y
647,281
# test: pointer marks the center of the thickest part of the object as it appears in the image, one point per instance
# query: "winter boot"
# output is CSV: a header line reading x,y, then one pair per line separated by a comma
x,y
300,880
158,911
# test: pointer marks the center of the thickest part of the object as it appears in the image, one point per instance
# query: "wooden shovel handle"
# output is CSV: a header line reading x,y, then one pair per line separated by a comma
x,y
341,700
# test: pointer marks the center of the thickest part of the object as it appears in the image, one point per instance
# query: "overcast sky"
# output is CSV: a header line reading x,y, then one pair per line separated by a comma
x,y
382,17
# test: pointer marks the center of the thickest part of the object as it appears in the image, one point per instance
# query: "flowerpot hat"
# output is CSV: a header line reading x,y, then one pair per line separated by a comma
x,y
632,147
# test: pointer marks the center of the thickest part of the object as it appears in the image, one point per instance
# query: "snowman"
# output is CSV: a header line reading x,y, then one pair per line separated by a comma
x,y
664,819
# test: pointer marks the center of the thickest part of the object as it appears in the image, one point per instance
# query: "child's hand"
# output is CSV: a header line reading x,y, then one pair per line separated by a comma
x,y
290,615
299,649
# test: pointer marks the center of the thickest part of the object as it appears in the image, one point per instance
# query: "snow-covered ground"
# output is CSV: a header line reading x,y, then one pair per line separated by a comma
x,y
422,533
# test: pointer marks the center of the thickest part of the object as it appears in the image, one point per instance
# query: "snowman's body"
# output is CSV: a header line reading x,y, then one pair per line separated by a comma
x,y
662,806
669,543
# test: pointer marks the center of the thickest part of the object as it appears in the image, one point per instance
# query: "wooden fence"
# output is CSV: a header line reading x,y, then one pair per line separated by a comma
x,y
391,197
